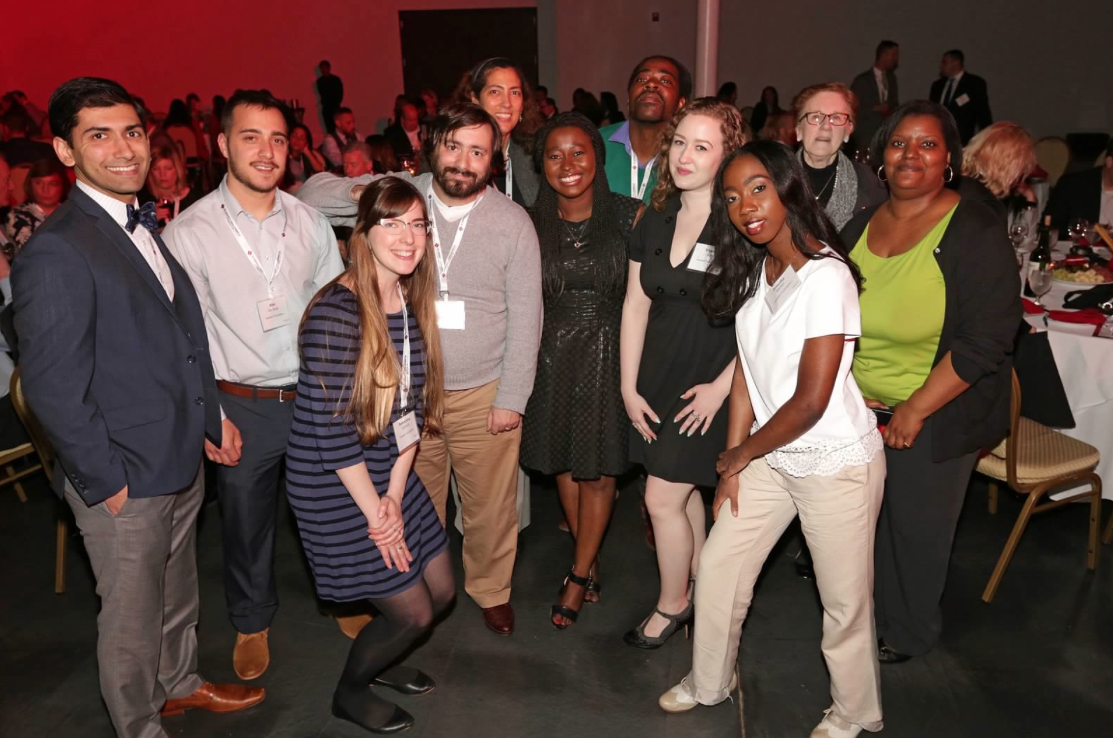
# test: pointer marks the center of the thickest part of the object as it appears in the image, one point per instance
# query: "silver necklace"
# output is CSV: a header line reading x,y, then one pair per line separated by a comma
x,y
577,240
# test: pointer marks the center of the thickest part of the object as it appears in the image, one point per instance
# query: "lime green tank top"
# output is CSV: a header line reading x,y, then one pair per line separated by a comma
x,y
903,302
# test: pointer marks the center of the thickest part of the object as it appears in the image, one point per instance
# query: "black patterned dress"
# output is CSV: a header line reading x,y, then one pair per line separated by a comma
x,y
575,420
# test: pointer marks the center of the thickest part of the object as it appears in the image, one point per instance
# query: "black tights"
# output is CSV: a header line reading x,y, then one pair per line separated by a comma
x,y
402,620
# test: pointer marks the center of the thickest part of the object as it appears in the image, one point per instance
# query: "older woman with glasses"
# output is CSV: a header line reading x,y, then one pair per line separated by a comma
x,y
824,116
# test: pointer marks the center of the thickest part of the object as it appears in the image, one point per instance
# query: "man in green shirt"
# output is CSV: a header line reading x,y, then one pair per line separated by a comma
x,y
658,87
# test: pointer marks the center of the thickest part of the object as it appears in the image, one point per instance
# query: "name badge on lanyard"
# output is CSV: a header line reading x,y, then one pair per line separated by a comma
x,y
406,433
782,289
273,312
450,313
638,190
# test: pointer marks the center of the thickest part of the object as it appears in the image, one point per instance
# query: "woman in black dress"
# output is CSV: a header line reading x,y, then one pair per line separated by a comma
x,y
371,377
575,424
676,366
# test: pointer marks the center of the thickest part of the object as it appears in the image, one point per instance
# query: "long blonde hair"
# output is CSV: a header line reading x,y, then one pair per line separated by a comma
x,y
374,382
734,136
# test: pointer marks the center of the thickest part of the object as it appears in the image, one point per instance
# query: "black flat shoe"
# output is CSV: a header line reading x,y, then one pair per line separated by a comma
x,y
399,720
419,685
886,654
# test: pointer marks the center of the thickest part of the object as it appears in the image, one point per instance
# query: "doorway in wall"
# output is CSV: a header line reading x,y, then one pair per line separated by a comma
x,y
438,46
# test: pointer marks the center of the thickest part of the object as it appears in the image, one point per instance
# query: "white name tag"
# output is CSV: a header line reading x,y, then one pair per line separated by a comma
x,y
450,315
273,313
702,256
782,289
962,99
406,433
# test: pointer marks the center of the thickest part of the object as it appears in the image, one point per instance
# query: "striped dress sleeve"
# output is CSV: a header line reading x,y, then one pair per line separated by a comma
x,y
330,340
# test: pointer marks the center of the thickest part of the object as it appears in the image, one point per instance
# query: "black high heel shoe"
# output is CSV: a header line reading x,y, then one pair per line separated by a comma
x,y
638,639
563,610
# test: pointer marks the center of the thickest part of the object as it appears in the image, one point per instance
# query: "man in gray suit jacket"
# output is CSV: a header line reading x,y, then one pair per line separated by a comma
x,y
877,93
115,364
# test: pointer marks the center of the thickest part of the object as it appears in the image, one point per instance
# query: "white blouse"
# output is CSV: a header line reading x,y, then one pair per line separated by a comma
x,y
819,300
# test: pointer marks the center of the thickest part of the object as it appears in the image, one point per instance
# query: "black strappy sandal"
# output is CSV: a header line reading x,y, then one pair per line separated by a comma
x,y
563,610
594,587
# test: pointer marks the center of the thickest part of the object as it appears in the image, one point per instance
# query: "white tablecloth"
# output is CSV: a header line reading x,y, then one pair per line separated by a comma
x,y
1085,364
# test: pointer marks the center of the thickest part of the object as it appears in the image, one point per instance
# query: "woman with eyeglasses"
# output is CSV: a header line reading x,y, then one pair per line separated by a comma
x,y
824,116
371,379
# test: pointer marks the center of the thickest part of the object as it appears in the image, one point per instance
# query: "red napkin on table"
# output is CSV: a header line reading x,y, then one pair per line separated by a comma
x,y
1093,316
1031,308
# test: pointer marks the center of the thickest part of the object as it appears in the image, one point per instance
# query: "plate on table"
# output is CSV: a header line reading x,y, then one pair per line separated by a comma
x,y
1082,278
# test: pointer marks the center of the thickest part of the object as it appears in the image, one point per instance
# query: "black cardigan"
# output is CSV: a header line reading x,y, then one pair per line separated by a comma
x,y
979,326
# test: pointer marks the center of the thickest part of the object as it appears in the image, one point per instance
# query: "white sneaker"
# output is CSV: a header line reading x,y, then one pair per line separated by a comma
x,y
833,726
678,699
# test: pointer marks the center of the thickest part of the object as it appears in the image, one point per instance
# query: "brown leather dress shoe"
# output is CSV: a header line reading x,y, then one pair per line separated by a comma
x,y
252,655
216,698
499,619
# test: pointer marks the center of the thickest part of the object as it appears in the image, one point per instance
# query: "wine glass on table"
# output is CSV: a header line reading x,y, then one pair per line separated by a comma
x,y
1018,234
1039,279
1077,229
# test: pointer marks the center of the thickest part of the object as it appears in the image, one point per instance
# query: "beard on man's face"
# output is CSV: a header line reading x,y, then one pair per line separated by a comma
x,y
458,182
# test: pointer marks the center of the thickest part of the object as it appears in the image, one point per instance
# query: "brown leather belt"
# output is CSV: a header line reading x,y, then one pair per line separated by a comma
x,y
282,394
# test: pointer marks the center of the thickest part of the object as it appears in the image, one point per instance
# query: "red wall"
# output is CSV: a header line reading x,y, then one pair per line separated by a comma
x,y
163,51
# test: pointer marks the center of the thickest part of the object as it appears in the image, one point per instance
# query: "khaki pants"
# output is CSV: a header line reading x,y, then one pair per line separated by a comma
x,y
486,469
838,515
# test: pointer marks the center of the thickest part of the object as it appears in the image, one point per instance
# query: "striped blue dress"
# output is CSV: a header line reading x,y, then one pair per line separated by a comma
x,y
346,564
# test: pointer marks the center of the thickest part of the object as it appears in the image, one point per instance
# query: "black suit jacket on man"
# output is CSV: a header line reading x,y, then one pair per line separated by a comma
x,y
119,375
969,104
869,97
1076,195
396,136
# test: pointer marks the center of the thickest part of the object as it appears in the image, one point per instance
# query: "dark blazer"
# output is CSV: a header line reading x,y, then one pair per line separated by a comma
x,y
118,375
979,326
865,87
972,114
399,141
1077,195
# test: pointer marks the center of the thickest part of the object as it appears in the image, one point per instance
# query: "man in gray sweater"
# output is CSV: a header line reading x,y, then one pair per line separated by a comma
x,y
489,314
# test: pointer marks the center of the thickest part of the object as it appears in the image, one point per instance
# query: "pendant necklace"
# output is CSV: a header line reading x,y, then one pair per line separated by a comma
x,y
577,239
829,181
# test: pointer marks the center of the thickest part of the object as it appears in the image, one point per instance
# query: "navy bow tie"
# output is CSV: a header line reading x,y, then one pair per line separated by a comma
x,y
145,216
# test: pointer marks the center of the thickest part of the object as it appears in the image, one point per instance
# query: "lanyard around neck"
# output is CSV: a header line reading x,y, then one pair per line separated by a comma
x,y
444,261
638,190
404,383
249,252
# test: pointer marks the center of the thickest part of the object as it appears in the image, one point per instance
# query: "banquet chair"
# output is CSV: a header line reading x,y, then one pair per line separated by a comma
x,y
1053,156
45,453
1034,460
